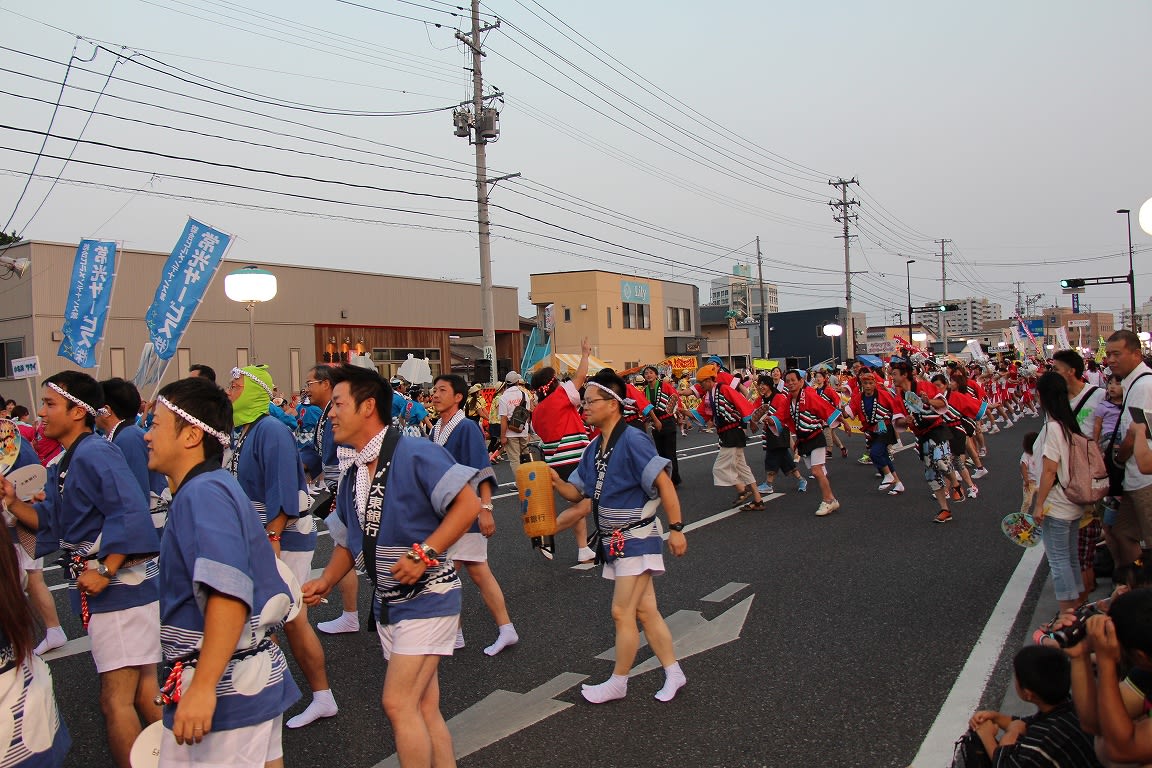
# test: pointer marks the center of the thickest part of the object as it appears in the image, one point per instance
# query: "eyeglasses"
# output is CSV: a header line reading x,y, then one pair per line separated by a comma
x,y
585,403
310,382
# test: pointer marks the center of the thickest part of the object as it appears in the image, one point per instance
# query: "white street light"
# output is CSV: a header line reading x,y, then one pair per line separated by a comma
x,y
833,330
250,286
1146,216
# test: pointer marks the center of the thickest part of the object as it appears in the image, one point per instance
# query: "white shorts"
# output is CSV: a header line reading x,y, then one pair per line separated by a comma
x,y
472,547
817,458
126,638
731,468
419,637
25,563
249,747
633,566
300,563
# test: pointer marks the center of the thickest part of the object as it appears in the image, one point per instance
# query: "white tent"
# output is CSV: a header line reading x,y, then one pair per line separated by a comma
x,y
565,363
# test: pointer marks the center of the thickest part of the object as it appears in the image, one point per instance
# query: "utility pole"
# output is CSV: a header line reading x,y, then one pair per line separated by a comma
x,y
1019,298
487,304
844,215
763,302
944,293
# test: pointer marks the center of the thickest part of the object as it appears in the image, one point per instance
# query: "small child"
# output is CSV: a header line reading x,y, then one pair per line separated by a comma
x,y
1028,474
1043,677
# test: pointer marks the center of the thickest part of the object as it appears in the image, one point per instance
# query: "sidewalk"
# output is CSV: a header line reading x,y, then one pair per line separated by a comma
x,y
1046,608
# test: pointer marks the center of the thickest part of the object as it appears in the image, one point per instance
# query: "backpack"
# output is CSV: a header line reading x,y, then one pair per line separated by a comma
x,y
1087,473
521,414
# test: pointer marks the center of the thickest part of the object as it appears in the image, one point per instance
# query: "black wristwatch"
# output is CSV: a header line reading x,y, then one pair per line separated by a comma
x,y
102,569
676,527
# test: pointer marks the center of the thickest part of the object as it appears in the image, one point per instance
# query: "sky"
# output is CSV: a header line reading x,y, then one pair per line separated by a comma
x,y
654,139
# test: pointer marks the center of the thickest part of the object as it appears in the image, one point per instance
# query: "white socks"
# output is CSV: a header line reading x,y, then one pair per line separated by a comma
x,y
585,555
53,638
615,687
349,621
323,705
674,680
506,638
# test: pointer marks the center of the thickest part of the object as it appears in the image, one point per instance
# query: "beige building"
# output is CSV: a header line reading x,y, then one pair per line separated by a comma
x,y
629,320
316,313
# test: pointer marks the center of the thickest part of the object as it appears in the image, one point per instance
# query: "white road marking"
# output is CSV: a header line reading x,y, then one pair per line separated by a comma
x,y
936,749
501,714
724,592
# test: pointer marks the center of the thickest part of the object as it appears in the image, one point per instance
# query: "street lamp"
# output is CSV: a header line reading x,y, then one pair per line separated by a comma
x,y
1131,270
250,286
908,275
832,330
1144,336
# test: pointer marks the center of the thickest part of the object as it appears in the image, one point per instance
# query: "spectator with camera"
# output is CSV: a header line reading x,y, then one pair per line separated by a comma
x,y
1107,706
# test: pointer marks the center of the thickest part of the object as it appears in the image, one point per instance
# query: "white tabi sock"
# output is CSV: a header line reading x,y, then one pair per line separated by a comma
x,y
349,621
507,637
53,638
323,705
615,687
674,680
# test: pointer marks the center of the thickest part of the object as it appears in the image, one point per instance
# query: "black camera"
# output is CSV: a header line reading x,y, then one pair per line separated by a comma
x,y
1068,636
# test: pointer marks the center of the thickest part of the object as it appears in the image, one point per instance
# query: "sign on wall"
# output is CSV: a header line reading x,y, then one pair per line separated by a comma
x,y
632,292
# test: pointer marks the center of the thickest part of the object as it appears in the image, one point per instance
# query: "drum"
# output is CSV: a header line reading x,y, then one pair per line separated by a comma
x,y
537,501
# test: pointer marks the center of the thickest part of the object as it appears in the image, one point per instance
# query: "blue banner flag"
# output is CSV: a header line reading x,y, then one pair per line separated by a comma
x,y
89,298
186,277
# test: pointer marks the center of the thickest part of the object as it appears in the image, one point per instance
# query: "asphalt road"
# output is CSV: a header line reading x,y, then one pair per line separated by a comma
x,y
856,627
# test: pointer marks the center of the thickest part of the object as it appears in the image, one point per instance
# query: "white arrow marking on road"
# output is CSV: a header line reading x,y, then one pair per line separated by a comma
x,y
70,648
724,592
696,634
501,714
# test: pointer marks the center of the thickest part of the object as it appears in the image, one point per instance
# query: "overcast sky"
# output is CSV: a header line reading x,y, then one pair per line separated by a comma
x,y
656,139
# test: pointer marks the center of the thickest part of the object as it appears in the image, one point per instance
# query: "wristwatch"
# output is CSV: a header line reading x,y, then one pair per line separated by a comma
x,y
103,570
676,527
488,507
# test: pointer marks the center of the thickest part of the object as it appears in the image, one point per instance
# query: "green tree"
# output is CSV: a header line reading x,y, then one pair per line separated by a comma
x,y
6,239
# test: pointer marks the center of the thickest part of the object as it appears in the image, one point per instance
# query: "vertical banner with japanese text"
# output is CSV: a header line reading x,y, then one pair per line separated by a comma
x,y
187,274
89,299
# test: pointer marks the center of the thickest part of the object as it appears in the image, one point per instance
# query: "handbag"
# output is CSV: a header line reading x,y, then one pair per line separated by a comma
x,y
969,752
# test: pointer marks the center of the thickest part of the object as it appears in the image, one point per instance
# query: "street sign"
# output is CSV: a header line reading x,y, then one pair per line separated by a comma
x,y
26,367
1035,325
1073,291
1079,323
881,347
1075,303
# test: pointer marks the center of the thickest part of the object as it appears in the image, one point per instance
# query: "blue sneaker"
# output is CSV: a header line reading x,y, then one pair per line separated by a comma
x,y
801,486
765,488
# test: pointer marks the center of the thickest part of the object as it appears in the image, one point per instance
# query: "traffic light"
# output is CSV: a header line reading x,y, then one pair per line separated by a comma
x,y
947,307
1072,282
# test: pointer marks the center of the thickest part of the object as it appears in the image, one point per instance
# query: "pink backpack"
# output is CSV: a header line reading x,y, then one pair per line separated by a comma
x,y
1087,474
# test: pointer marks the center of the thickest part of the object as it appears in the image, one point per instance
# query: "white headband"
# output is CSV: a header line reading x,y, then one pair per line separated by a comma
x,y
615,396
221,438
238,372
75,400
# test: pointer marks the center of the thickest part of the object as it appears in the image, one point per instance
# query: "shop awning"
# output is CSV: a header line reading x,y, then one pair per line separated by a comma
x,y
567,363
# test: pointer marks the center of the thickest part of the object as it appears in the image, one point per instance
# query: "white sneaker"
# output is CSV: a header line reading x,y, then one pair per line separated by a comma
x,y
979,473
827,508
585,555
973,492
887,483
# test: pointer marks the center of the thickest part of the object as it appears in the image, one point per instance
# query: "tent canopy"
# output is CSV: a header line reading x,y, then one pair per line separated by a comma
x,y
871,361
566,363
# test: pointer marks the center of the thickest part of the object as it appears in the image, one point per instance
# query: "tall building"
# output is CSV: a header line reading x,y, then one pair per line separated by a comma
x,y
740,290
968,319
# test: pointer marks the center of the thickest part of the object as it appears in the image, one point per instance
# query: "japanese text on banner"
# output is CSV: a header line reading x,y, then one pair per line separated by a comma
x,y
89,299
187,274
